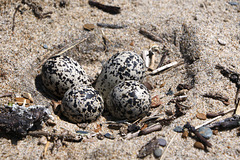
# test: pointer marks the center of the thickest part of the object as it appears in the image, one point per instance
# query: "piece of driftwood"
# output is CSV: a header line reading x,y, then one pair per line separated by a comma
x,y
19,120
105,8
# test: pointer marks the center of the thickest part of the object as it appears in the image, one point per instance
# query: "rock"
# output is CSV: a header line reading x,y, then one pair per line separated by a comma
x,y
185,133
157,153
198,145
178,129
100,136
89,27
162,142
109,136
45,46
215,132
205,132
155,102
42,140
133,128
222,42
201,116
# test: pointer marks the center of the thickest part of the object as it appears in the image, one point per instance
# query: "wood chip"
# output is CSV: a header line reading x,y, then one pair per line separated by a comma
x,y
20,101
201,116
27,96
89,27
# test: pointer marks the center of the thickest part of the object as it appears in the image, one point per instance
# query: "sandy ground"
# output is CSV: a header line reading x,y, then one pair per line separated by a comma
x,y
205,21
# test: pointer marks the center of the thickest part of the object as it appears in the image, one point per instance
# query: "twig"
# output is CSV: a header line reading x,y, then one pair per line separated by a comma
x,y
105,8
165,151
150,35
112,26
214,119
165,67
6,95
63,50
45,148
153,128
197,134
14,15
217,96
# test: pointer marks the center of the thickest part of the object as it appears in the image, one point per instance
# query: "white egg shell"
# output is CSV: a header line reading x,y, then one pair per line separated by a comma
x,y
129,100
60,73
82,104
122,66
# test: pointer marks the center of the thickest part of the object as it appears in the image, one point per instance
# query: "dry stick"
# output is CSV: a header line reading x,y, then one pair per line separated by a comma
x,y
150,35
210,121
45,148
237,100
14,15
63,50
6,95
165,67
165,151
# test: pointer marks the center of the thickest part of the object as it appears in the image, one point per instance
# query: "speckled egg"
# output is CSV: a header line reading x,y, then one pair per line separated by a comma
x,y
129,100
60,73
82,104
122,66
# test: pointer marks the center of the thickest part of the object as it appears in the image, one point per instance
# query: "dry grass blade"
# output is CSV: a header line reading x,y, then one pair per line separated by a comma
x,y
165,151
63,50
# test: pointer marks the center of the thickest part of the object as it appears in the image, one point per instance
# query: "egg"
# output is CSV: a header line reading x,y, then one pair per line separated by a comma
x,y
82,104
122,66
129,100
60,73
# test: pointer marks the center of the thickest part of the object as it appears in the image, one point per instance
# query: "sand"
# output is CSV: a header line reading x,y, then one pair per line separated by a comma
x,y
191,30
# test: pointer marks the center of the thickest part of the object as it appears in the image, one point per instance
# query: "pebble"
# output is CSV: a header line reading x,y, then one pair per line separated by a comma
x,y
162,142
205,132
201,116
178,129
42,140
45,46
157,152
82,132
89,27
133,128
100,136
233,3
222,42
215,132
198,145
109,136
155,102
185,133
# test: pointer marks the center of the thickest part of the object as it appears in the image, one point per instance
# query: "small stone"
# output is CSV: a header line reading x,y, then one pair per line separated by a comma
x,y
45,46
198,145
155,102
109,136
201,116
215,132
178,129
169,92
185,133
222,42
162,142
133,128
233,3
157,153
82,132
205,132
42,140
89,27
100,136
